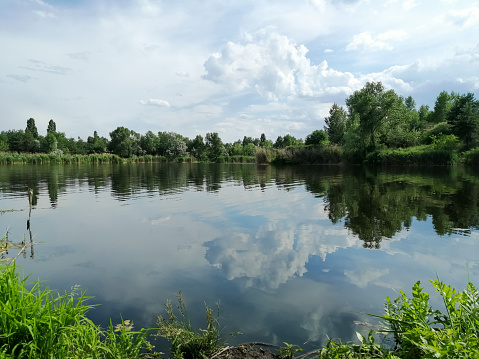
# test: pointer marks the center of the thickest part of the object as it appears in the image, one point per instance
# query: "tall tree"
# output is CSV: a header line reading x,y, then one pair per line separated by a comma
x,y
378,112
52,126
464,119
150,142
121,143
197,148
336,124
442,107
214,146
32,128
410,103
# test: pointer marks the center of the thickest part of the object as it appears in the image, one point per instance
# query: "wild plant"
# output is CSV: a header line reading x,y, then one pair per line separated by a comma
x,y
36,323
421,332
185,342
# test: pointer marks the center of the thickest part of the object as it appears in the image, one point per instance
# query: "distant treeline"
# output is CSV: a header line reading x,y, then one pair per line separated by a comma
x,y
377,126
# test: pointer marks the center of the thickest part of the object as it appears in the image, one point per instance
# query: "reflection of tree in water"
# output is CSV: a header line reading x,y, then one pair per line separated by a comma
x,y
379,205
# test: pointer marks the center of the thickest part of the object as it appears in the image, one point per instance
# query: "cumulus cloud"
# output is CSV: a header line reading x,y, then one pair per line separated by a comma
x,y
275,66
155,102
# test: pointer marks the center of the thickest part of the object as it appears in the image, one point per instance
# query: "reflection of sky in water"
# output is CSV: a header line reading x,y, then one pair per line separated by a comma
x,y
280,269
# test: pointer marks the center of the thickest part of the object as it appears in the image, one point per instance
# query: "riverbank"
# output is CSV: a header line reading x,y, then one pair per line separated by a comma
x,y
425,155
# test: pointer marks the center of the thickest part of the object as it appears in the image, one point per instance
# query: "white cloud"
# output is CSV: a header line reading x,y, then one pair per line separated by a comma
x,y
366,41
276,67
464,17
155,102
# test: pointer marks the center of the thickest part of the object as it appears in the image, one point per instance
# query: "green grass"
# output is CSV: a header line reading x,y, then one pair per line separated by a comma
x,y
35,322
185,342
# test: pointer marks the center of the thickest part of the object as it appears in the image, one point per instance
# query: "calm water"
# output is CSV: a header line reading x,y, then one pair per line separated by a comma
x,y
291,254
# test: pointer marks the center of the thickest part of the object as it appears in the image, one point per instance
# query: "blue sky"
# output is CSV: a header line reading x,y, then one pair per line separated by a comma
x,y
233,67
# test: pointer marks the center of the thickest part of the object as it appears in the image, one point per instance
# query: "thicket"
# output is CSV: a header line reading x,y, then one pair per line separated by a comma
x,y
376,126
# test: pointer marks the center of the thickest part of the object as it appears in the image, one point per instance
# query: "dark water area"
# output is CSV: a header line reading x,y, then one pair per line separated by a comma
x,y
291,254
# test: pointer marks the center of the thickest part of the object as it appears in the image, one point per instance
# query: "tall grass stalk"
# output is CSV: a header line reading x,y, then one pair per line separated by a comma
x,y
37,323
185,342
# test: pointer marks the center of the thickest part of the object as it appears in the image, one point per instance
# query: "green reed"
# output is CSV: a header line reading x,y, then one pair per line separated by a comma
x,y
35,322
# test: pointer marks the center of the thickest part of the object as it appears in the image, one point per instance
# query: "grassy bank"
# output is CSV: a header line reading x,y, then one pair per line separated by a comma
x,y
36,322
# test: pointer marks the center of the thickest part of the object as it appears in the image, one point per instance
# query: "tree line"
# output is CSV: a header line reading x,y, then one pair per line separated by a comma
x,y
374,120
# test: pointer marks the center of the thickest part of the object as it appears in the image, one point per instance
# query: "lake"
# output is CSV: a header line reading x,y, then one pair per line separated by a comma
x,y
291,254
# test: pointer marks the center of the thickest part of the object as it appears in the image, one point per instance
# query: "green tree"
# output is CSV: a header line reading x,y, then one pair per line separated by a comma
x,y
279,142
197,148
214,146
317,138
4,141
96,144
52,126
150,143
249,149
172,144
410,103
424,114
16,140
336,124
32,128
379,114
121,143
464,119
49,143
442,107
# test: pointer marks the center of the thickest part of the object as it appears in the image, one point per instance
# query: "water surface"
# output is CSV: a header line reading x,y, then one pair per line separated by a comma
x,y
292,254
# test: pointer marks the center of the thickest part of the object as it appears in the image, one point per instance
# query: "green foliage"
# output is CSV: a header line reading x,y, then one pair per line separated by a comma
x,y
52,126
317,138
336,124
464,119
31,128
185,342
37,323
366,350
422,155
421,332
289,350
308,155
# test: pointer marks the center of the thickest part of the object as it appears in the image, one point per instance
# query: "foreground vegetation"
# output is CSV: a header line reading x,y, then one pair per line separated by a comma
x,y
377,126
37,323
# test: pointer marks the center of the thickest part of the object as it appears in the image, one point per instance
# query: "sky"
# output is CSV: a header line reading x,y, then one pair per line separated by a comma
x,y
238,68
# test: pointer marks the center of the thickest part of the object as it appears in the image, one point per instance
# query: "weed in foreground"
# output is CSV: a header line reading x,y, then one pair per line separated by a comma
x,y
36,323
185,342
